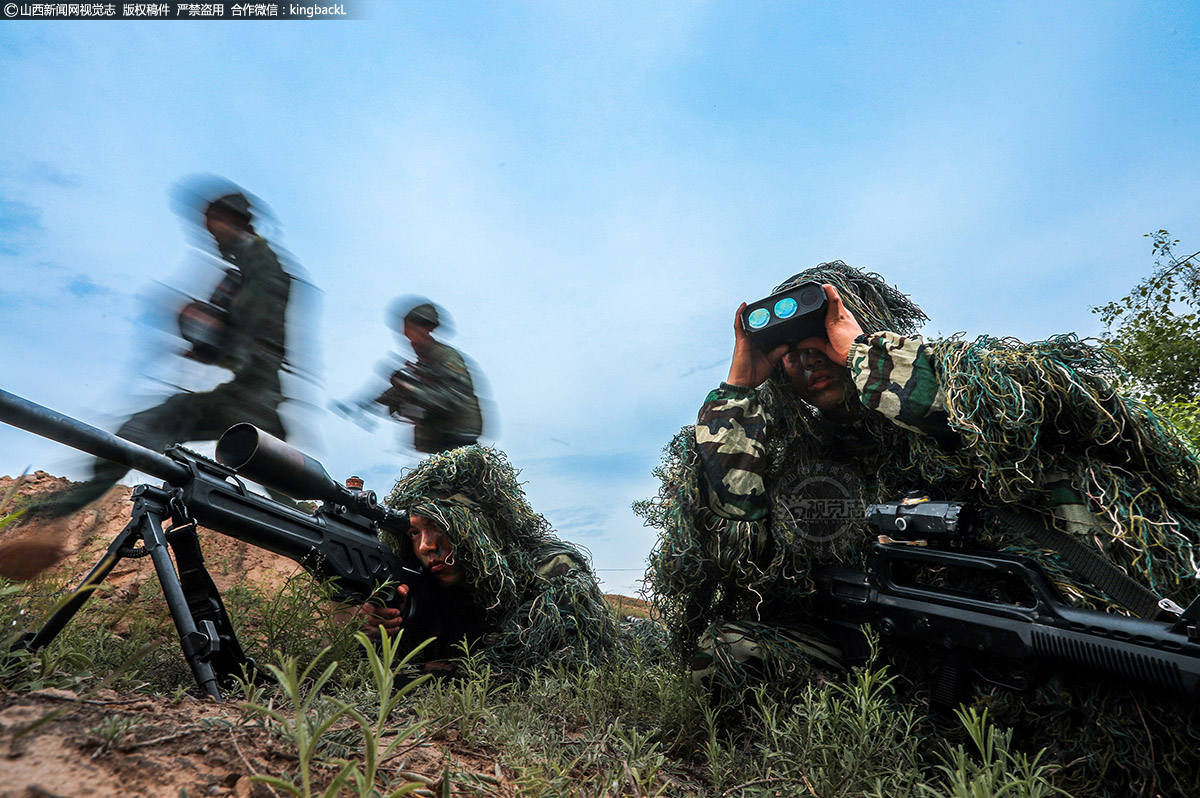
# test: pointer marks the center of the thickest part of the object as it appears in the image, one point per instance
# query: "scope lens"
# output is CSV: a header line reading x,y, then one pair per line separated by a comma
x,y
811,296
785,307
758,318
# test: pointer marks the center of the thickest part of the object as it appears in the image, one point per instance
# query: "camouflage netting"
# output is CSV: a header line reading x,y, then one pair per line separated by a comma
x,y
539,615
1042,429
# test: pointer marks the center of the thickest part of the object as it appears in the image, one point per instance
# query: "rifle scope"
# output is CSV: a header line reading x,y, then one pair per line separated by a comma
x,y
262,457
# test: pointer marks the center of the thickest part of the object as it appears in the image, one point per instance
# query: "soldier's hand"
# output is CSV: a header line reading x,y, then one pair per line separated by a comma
x,y
751,366
373,617
841,328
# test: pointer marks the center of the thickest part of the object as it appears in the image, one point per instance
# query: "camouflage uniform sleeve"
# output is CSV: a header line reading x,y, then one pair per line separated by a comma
x,y
731,441
895,376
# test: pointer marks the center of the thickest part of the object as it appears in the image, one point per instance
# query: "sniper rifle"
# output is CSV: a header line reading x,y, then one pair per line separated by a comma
x,y
338,543
995,616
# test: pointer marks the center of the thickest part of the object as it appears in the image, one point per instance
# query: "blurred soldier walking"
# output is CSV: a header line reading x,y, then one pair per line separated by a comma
x,y
436,392
242,328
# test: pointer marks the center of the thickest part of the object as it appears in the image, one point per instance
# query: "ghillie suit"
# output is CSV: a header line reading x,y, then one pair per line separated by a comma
x,y
765,485
536,595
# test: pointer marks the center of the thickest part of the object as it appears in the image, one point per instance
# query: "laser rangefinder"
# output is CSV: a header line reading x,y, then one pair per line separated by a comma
x,y
787,317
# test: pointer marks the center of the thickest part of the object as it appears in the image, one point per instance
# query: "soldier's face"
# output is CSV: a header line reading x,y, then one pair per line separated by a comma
x,y
435,551
819,382
417,334
218,226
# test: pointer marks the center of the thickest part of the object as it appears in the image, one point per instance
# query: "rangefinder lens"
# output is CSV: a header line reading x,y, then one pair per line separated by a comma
x,y
811,296
785,307
758,318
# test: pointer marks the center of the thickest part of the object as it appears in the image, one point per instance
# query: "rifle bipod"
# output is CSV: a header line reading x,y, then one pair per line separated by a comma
x,y
206,636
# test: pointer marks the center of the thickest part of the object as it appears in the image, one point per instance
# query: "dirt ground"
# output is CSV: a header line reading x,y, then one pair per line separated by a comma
x,y
56,744
112,745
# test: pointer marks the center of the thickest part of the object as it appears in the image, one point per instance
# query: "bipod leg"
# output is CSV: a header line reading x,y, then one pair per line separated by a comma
x,y
151,505
205,604
117,550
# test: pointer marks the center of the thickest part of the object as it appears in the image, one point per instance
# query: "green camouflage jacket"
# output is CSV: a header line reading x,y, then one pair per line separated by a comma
x,y
995,423
258,309
438,396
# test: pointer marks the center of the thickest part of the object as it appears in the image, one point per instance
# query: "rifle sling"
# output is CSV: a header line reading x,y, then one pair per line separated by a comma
x,y
1102,573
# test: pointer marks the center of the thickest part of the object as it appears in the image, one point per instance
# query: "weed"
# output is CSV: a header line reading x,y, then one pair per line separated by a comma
x,y
49,717
112,729
290,621
467,701
642,756
249,684
998,770
380,741
312,717
309,722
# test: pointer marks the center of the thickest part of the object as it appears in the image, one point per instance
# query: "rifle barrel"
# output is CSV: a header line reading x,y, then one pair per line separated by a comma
x,y
32,417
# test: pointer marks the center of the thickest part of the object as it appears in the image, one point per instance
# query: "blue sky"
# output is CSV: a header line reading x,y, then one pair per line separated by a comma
x,y
589,189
